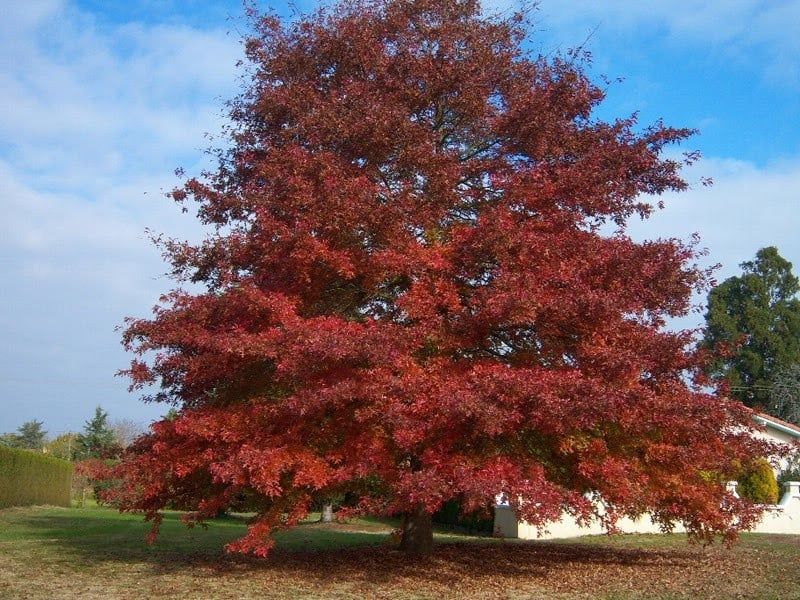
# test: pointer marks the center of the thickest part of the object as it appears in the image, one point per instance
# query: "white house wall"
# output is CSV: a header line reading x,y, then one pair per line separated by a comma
x,y
774,435
783,517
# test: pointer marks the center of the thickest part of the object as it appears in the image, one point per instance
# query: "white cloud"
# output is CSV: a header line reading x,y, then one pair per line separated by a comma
x,y
747,208
95,120
21,17
85,103
96,117
75,268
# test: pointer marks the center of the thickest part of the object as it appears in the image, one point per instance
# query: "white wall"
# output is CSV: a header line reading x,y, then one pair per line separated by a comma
x,y
773,434
783,517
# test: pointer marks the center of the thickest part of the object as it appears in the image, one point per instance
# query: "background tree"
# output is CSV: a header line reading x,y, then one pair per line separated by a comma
x,y
29,435
63,446
755,318
410,298
126,431
97,439
784,394
8,439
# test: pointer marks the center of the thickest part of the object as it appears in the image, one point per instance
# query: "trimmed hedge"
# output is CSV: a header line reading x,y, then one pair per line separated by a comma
x,y
28,478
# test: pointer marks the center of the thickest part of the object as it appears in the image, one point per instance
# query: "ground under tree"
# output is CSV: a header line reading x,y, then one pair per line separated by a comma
x,y
411,296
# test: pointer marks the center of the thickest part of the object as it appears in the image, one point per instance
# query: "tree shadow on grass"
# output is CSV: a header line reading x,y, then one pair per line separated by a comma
x,y
329,556
103,535
477,563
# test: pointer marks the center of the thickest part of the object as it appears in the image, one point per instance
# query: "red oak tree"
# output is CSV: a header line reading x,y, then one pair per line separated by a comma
x,y
412,293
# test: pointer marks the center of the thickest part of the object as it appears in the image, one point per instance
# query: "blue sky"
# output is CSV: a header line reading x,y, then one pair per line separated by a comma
x,y
103,100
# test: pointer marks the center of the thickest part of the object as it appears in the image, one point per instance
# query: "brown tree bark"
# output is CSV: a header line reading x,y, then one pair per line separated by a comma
x,y
417,537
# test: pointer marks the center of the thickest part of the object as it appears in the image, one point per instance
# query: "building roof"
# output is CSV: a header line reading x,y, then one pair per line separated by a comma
x,y
777,423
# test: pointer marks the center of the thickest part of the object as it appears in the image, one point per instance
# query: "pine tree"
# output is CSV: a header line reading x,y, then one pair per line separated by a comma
x,y
753,320
30,435
97,439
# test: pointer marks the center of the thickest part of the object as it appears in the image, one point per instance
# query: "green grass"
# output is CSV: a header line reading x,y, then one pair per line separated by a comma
x,y
104,534
96,552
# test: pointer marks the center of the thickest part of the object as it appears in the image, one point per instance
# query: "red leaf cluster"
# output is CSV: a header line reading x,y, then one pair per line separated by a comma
x,y
413,294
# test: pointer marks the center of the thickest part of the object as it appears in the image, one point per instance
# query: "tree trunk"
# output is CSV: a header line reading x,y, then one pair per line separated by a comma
x,y
417,532
327,513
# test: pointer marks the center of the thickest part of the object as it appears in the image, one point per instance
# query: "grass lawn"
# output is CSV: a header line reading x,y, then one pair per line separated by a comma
x,y
98,553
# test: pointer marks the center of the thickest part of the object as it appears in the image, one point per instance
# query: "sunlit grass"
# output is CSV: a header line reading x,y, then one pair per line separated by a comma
x,y
96,552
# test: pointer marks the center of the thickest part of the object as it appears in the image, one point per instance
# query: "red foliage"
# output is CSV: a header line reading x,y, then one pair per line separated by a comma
x,y
99,475
411,295
94,469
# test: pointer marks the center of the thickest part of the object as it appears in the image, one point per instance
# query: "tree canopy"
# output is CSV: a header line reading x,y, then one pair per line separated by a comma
x,y
784,394
29,435
754,321
64,446
98,439
411,297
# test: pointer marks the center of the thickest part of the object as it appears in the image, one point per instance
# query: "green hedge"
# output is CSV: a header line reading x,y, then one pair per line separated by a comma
x,y
28,478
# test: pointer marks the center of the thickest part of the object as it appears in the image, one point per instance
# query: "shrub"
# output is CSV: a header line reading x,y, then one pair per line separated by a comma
x,y
757,483
28,478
